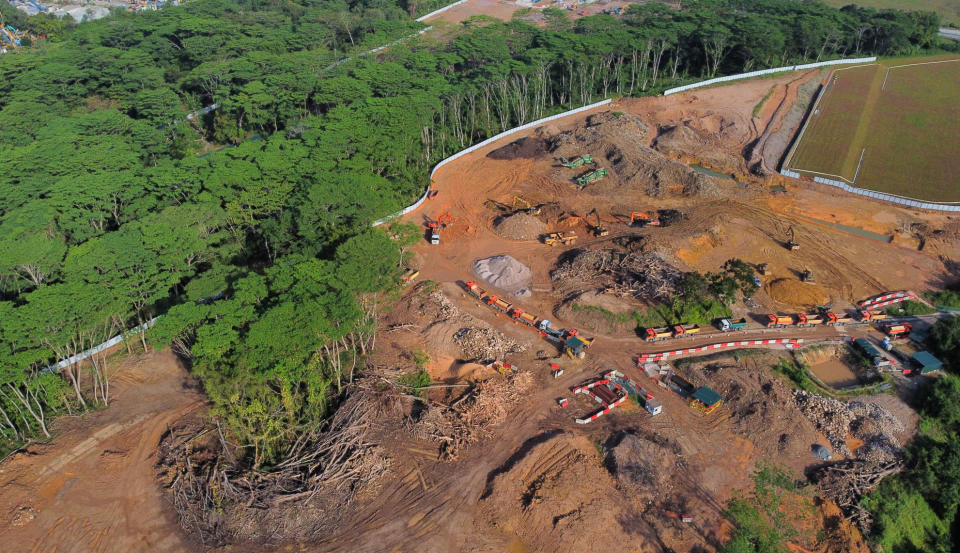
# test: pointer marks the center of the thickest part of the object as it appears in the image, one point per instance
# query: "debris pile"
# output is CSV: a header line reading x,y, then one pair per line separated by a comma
x,y
471,417
504,272
867,422
524,148
520,226
848,481
485,345
685,142
647,276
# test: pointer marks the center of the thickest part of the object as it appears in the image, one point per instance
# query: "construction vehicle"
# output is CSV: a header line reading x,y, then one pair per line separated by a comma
x,y
832,319
779,321
521,315
897,329
497,303
864,315
641,219
762,269
410,275
576,162
598,229
685,330
474,290
554,238
804,320
549,331
586,179
575,346
656,334
806,276
526,206
727,325
503,368
437,225
792,244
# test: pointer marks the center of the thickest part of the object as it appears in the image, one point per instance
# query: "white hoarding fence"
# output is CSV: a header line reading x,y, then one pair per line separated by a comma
x,y
709,82
877,195
441,10
479,145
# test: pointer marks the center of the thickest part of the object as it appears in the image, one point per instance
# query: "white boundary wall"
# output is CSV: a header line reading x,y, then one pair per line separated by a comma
x,y
441,10
709,82
477,146
97,349
876,195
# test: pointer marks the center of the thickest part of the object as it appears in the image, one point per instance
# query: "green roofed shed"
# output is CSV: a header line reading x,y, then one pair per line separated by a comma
x,y
928,363
707,396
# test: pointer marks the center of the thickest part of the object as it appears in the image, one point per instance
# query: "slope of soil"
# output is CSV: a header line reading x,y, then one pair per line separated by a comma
x,y
92,488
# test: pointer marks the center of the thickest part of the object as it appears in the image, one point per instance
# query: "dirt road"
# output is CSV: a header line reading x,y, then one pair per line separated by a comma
x,y
92,489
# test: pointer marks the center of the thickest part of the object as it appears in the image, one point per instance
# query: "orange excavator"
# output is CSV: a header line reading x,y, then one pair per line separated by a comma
x,y
639,218
437,225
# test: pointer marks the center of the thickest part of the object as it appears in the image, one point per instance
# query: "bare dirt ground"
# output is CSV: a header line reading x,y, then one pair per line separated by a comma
x,y
516,473
93,489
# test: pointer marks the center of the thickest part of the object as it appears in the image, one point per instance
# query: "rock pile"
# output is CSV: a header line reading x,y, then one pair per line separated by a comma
x,y
867,422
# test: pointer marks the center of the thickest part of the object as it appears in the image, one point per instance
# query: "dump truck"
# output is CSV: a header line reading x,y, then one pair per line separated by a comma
x,y
809,320
864,315
554,238
499,304
474,290
576,162
897,329
656,334
779,321
526,318
726,325
832,319
685,330
550,331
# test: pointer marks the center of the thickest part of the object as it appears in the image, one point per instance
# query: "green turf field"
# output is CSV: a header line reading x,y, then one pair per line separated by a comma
x,y
892,127
949,10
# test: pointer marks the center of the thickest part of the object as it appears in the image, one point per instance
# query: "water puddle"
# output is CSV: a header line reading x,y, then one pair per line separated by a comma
x,y
852,230
712,173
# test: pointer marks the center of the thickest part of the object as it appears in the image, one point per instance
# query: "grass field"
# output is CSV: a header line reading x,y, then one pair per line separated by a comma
x,y
898,121
949,10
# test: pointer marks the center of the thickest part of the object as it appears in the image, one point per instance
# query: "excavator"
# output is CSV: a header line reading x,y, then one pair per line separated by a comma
x,y
792,244
598,229
639,218
437,225
526,206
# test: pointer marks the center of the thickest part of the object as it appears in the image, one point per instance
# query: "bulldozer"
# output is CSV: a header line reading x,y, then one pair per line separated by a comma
x,y
525,206
598,229
639,218
576,162
554,238
587,178
792,244
806,275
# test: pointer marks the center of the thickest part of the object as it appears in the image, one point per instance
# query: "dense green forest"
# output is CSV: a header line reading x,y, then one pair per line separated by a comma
x,y
261,255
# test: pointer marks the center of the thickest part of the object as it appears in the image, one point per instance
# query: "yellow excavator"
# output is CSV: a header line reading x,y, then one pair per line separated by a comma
x,y
598,229
525,206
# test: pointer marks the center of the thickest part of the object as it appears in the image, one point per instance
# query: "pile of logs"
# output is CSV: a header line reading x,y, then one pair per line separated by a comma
x,y
847,481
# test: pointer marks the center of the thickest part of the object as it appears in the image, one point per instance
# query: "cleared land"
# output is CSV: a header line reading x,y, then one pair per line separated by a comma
x,y
906,129
949,10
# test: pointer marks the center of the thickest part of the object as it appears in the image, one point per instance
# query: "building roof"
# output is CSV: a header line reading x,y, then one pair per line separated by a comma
x,y
927,361
867,347
707,396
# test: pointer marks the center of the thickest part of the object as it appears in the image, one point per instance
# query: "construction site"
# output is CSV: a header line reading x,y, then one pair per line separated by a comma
x,y
553,414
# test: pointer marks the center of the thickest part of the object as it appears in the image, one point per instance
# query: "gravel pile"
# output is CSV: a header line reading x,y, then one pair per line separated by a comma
x,y
485,345
504,272
520,226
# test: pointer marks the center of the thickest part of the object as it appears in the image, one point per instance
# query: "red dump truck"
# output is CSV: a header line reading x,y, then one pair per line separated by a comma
x,y
832,319
656,334
685,330
779,321
897,329
474,290
526,318
809,320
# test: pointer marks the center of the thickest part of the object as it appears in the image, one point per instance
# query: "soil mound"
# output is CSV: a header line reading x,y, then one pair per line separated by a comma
x,y
598,312
504,272
524,148
520,226
801,294
681,141
618,142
